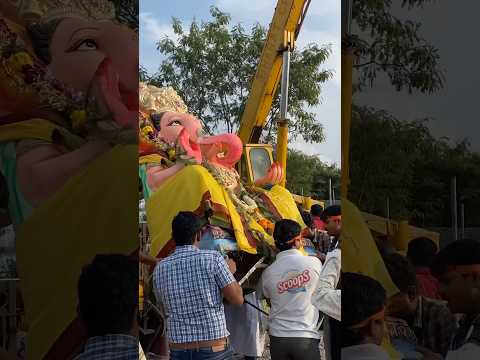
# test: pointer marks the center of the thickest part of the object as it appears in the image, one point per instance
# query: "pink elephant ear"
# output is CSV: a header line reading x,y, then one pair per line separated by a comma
x,y
191,148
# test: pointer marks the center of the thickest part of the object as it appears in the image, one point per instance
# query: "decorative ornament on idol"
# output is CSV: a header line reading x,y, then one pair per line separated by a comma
x,y
42,11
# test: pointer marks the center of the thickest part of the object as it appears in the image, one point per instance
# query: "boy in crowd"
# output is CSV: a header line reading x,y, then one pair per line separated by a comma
x,y
431,321
457,267
363,314
108,306
316,213
289,284
332,217
421,252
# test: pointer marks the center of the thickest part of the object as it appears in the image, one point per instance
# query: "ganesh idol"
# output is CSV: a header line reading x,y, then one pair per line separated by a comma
x,y
68,134
184,169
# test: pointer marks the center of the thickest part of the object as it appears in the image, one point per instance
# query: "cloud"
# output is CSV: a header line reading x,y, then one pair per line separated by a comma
x,y
325,8
260,10
152,30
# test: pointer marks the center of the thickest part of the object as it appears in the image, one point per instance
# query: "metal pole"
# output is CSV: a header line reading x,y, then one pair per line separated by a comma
x,y
346,92
462,219
284,86
387,224
453,198
346,17
330,190
255,307
282,136
388,208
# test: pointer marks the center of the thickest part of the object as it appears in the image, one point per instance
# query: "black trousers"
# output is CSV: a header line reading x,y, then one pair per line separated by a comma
x,y
286,348
335,341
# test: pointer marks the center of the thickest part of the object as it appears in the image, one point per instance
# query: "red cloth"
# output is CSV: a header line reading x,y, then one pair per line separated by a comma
x,y
428,285
318,223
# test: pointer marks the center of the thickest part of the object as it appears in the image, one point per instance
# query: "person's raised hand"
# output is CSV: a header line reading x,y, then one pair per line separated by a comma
x,y
232,266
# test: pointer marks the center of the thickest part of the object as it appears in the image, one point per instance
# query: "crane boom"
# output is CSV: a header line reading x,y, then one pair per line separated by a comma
x,y
286,23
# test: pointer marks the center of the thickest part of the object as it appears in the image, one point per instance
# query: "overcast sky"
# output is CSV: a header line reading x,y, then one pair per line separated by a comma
x,y
452,27
322,26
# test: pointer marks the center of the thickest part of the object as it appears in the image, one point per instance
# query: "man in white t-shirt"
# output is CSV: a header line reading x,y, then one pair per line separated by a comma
x,y
289,284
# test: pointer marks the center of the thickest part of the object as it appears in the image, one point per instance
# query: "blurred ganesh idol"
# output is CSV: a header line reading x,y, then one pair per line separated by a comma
x,y
68,134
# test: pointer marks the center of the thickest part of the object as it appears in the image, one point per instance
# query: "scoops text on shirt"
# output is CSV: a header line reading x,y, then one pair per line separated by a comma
x,y
294,284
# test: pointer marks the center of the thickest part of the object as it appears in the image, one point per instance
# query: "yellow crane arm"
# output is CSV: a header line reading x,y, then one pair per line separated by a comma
x,y
286,23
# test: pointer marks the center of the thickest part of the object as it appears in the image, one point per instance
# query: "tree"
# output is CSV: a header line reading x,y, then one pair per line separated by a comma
x,y
143,75
402,161
308,175
212,66
389,44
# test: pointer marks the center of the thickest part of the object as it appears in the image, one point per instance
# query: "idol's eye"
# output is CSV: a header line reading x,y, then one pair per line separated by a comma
x,y
175,123
85,45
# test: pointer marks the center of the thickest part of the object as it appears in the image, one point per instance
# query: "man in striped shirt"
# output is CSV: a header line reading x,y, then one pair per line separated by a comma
x,y
191,283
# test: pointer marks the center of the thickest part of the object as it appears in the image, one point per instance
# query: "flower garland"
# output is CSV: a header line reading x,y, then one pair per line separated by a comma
x,y
243,202
245,205
25,72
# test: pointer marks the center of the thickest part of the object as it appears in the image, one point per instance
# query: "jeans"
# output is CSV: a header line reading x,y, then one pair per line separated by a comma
x,y
283,348
202,354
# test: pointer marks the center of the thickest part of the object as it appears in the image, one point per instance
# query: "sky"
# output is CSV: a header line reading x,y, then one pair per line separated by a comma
x,y
321,26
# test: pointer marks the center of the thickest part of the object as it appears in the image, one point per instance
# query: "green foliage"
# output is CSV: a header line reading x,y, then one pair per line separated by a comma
x,y
212,66
309,176
395,46
401,160
143,75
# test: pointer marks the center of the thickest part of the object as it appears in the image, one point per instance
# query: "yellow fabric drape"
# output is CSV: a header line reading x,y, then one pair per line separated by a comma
x,y
360,255
184,192
150,159
39,129
359,251
94,213
284,203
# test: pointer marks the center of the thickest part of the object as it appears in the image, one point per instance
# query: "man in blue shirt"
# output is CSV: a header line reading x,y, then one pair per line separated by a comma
x,y
191,284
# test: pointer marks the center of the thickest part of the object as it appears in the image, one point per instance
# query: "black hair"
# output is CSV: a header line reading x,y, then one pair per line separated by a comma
x,y
332,210
284,231
362,297
421,251
156,118
41,35
185,226
461,252
401,272
316,210
307,218
108,295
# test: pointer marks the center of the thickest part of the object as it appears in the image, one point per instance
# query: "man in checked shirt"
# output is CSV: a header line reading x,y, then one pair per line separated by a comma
x,y
108,307
191,283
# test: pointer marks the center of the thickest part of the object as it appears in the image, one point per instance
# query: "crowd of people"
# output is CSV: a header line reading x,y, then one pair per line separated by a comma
x,y
193,284
434,315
